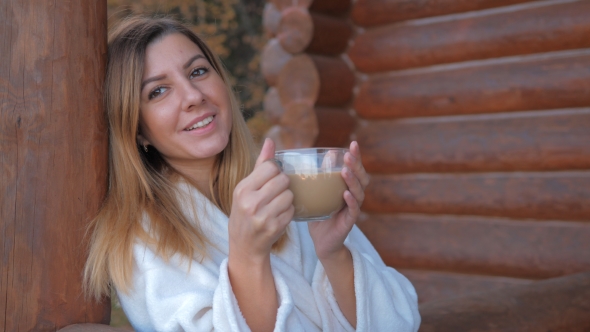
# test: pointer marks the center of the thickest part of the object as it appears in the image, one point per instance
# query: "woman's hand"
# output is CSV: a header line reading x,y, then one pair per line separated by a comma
x,y
329,235
262,208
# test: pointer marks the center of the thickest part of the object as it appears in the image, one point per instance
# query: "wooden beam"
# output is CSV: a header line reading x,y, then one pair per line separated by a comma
x,y
335,127
330,35
295,29
53,152
480,245
330,7
336,81
522,141
284,4
272,61
436,285
272,105
380,12
299,81
547,81
271,17
560,304
537,195
531,30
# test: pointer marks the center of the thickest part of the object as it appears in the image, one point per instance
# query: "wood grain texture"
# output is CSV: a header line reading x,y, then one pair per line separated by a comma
x,y
295,30
548,81
532,30
272,105
436,285
272,61
538,195
336,81
480,245
94,328
335,127
330,7
299,81
330,35
271,17
560,304
284,4
521,141
379,12
53,159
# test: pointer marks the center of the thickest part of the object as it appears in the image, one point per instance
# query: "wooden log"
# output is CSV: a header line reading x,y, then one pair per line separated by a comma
x,y
330,35
335,127
380,12
94,328
301,122
330,7
522,141
336,81
284,4
271,17
436,285
53,152
273,59
480,245
560,304
298,127
542,195
272,105
532,30
295,29
551,81
299,81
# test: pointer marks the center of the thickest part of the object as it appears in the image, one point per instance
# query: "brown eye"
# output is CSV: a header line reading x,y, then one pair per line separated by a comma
x,y
156,92
198,72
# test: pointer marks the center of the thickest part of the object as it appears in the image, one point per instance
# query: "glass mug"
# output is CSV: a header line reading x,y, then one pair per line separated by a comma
x,y
316,181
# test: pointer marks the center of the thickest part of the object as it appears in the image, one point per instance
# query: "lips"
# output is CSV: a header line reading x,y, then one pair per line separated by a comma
x,y
199,123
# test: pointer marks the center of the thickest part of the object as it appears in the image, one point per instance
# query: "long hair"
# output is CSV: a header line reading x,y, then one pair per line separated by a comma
x,y
141,184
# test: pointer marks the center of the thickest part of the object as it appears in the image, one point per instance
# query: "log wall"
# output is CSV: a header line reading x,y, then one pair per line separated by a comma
x,y
53,159
473,118
310,78
474,122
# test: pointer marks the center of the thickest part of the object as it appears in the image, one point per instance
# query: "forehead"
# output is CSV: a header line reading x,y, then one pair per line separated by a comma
x,y
169,50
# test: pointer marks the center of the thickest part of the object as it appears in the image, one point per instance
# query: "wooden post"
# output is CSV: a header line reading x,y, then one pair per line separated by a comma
x,y
53,159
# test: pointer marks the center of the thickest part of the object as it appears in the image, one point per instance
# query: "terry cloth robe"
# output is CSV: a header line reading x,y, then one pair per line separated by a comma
x,y
176,296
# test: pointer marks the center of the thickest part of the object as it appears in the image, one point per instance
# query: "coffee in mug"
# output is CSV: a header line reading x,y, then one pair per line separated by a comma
x,y
315,180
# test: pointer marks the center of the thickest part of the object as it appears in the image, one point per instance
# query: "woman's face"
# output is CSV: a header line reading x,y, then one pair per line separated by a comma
x,y
185,108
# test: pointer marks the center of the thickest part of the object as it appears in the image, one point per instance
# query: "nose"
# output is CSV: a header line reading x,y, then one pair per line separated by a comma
x,y
191,94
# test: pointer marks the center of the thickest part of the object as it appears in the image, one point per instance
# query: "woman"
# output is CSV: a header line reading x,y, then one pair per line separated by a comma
x,y
195,234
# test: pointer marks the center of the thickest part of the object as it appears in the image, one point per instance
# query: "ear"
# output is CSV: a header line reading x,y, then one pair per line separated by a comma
x,y
142,141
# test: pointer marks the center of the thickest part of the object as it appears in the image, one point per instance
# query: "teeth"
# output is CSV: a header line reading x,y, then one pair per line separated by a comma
x,y
200,124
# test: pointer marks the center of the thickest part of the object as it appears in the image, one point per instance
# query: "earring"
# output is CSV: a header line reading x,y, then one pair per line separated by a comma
x,y
145,148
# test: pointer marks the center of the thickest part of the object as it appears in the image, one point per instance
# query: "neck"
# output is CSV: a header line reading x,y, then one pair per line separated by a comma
x,y
198,171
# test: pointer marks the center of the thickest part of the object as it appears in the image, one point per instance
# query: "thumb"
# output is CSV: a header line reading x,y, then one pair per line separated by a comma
x,y
267,152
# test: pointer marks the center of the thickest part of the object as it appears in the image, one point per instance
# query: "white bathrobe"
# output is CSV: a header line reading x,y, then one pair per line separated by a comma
x,y
170,296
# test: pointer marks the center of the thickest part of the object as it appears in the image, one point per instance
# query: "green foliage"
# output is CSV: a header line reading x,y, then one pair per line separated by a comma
x,y
232,28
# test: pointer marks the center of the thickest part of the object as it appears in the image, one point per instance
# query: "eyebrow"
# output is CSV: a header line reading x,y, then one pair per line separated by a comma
x,y
191,60
186,65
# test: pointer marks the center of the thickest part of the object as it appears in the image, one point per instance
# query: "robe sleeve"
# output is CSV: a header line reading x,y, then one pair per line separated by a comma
x,y
168,296
385,299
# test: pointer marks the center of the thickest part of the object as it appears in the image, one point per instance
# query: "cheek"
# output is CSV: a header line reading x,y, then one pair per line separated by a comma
x,y
154,124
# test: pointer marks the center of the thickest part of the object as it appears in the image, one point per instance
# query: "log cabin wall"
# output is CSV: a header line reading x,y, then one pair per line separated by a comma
x,y
305,65
473,118
475,127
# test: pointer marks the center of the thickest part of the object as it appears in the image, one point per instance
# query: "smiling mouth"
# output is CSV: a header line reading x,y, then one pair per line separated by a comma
x,y
201,123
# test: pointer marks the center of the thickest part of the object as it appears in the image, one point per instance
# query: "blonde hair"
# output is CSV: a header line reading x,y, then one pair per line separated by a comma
x,y
142,182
